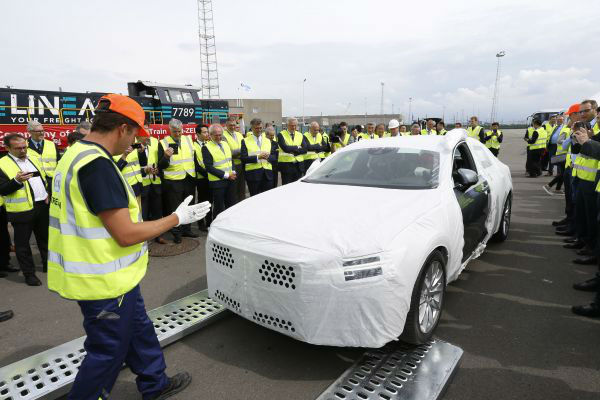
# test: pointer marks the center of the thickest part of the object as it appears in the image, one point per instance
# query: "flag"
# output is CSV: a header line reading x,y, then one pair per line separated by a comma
x,y
245,87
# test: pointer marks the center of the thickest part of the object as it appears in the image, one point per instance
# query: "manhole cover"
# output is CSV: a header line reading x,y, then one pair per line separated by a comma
x,y
172,249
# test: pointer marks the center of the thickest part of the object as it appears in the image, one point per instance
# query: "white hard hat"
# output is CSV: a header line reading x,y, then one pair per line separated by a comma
x,y
393,124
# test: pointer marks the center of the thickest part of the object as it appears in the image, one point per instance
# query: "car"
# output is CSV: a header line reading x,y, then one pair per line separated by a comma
x,y
359,251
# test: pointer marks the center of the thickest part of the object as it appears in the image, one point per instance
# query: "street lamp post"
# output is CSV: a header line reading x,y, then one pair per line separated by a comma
x,y
499,55
410,110
303,82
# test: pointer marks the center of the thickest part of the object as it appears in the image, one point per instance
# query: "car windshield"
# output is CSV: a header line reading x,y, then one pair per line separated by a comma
x,y
385,167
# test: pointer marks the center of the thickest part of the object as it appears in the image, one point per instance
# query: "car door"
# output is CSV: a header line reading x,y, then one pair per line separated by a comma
x,y
473,201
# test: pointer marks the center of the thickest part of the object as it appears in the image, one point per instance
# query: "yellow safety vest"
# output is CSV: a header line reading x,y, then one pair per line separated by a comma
x,y
235,143
492,143
564,133
338,146
325,138
585,168
132,172
474,132
365,136
181,163
152,162
84,261
549,129
198,152
221,158
22,199
296,141
540,143
425,132
407,133
442,132
47,159
254,150
312,155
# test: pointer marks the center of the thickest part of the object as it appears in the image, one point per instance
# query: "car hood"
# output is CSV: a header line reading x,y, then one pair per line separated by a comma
x,y
345,221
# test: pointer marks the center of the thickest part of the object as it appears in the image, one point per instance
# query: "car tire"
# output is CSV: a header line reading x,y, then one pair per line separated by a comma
x,y
502,234
429,290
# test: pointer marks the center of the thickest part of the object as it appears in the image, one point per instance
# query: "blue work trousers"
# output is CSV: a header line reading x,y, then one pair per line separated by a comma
x,y
118,331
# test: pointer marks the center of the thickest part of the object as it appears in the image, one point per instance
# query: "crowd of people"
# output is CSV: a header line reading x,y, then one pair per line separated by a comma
x,y
570,142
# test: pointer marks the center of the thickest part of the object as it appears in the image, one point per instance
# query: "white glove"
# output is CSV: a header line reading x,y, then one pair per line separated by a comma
x,y
188,214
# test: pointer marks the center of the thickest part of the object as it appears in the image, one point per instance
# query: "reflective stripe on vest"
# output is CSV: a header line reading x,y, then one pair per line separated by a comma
x,y
84,261
47,159
235,143
254,150
180,164
296,141
21,200
312,155
221,159
585,168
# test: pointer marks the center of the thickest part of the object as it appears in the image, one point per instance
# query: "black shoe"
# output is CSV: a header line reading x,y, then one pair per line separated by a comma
x,y
591,260
564,233
176,384
6,315
9,268
571,240
592,310
561,222
585,252
177,239
591,285
32,280
3,274
190,234
578,245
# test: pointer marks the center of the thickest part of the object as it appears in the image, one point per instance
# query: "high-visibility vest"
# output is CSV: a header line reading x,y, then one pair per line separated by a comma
x,y
585,168
564,133
152,148
198,152
221,158
407,133
345,141
493,142
234,140
312,155
549,128
474,132
426,132
254,150
22,199
326,153
181,163
442,132
47,159
132,171
295,141
84,261
387,134
540,143
364,136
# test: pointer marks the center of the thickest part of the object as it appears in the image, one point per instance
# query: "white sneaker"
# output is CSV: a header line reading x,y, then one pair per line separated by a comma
x,y
547,189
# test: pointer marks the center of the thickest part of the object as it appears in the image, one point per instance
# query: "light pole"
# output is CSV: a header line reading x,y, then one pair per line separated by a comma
x,y
381,105
499,55
303,82
410,110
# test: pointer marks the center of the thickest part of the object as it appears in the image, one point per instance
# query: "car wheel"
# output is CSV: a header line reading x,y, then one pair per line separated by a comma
x,y
502,233
427,301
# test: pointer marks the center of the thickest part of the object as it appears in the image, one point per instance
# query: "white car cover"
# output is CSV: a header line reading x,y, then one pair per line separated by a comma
x,y
278,258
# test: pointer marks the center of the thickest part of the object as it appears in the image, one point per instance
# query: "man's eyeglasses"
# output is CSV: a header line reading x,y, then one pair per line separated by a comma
x,y
584,111
42,131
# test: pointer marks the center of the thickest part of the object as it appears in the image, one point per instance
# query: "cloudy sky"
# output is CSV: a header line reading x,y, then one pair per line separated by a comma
x,y
439,53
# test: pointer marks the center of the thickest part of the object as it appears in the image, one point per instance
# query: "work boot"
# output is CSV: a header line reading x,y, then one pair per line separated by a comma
x,y
176,384
590,260
561,222
592,310
591,285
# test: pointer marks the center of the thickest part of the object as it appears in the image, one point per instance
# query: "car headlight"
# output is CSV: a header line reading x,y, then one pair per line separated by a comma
x,y
360,261
361,268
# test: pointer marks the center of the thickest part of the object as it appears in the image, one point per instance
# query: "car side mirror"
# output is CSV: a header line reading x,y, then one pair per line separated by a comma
x,y
315,164
466,178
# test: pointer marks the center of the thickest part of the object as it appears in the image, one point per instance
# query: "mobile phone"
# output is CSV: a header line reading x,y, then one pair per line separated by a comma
x,y
175,148
580,124
35,173
137,145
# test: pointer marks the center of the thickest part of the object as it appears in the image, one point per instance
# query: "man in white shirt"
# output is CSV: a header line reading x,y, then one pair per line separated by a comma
x,y
23,186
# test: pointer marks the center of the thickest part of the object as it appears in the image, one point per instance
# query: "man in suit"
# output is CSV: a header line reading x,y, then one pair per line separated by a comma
x,y
42,150
217,158
258,153
292,148
23,186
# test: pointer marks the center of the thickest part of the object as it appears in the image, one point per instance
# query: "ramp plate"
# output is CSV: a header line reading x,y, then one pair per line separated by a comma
x,y
50,374
398,371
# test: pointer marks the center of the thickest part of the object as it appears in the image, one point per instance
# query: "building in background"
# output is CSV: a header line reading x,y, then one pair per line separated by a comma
x,y
268,110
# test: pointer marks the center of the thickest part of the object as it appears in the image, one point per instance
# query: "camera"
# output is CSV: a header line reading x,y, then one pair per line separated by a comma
x,y
336,133
137,145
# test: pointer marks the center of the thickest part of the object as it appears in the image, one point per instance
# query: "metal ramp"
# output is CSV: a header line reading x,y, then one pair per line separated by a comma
x,y
398,372
50,374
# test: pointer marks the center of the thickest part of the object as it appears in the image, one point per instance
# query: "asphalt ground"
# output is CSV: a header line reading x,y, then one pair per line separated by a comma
x,y
509,311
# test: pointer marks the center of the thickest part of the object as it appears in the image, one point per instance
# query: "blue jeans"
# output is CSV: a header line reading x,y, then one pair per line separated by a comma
x,y
118,331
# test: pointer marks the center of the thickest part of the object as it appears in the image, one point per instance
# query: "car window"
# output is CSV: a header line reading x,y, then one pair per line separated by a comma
x,y
385,167
462,159
483,156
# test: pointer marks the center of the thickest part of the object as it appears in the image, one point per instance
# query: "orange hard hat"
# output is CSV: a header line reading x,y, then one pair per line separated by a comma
x,y
127,107
573,109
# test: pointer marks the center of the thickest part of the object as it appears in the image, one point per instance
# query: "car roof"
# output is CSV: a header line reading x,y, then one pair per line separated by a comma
x,y
440,144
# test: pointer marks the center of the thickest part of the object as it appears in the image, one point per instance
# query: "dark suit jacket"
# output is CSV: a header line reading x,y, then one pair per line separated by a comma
x,y
8,186
286,167
261,173
208,160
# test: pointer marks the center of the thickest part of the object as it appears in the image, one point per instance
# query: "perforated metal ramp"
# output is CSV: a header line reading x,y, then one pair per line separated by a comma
x,y
398,371
50,374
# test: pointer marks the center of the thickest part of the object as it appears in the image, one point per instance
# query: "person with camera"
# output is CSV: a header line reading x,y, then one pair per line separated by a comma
x,y
493,138
292,147
339,138
176,161
24,188
258,153
218,163
535,137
